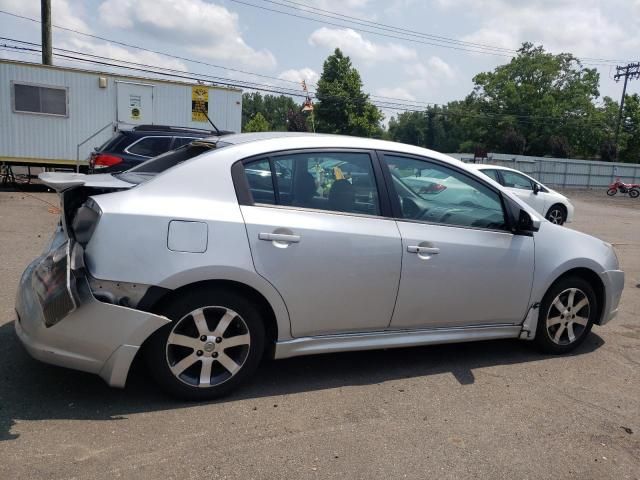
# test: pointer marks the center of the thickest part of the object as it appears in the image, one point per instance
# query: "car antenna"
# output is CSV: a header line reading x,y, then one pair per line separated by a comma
x,y
212,124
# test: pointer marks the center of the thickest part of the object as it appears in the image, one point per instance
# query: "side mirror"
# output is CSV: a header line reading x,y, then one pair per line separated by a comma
x,y
527,224
536,189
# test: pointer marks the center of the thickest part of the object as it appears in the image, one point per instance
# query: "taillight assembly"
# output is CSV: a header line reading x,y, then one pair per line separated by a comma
x,y
85,221
103,160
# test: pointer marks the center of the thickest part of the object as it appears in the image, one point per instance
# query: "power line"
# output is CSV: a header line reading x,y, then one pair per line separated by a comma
x,y
382,26
138,47
415,32
365,30
444,42
163,71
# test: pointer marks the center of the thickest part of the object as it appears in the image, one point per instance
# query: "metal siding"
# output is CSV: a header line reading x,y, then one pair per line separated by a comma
x,y
565,172
90,108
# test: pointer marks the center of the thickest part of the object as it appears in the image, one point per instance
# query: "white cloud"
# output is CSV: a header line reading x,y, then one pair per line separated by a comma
x,y
204,29
307,74
582,27
423,79
342,6
356,46
395,92
63,12
116,52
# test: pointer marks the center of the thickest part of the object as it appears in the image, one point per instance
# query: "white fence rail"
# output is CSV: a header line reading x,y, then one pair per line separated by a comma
x,y
569,173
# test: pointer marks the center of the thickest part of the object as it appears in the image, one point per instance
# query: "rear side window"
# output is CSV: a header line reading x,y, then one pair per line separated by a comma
x,y
150,146
260,181
493,174
340,181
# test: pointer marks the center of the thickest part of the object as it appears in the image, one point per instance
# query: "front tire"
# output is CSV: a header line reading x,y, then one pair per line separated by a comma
x,y
567,313
634,193
612,191
214,342
557,214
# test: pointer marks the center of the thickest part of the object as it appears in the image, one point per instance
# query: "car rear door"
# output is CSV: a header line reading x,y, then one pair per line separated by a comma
x,y
461,266
319,234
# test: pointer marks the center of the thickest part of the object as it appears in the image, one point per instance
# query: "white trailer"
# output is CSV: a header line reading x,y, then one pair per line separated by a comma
x,y
55,116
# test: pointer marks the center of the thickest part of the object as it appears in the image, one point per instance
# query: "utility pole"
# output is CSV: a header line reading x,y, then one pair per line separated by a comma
x,y
630,71
47,48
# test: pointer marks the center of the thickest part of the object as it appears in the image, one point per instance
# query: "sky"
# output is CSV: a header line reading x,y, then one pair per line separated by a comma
x,y
284,49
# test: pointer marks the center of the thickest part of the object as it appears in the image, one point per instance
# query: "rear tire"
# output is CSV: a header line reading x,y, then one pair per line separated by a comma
x,y
612,191
214,343
566,315
634,193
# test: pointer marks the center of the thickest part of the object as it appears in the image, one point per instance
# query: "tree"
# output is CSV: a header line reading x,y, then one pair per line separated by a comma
x,y
296,121
409,127
342,107
543,94
630,129
257,124
273,108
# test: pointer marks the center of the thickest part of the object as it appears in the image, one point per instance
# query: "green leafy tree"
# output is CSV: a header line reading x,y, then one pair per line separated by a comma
x,y
342,107
274,109
257,124
630,130
539,95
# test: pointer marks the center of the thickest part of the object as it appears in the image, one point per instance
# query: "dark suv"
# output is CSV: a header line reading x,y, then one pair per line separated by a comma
x,y
128,148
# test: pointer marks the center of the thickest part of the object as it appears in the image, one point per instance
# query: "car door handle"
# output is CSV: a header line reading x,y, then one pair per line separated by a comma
x,y
279,237
423,250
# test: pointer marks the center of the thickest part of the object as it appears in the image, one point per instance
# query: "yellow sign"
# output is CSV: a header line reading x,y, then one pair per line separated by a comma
x,y
199,103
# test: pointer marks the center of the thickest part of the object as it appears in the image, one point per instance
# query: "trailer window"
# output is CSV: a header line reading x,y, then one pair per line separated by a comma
x,y
40,99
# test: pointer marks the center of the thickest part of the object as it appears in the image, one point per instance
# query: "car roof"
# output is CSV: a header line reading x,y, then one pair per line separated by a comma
x,y
488,166
292,140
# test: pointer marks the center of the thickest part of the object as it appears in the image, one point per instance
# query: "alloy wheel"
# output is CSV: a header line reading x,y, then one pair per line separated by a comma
x,y
208,346
556,216
568,316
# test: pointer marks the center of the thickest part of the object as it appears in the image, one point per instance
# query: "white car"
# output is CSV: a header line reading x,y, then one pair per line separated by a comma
x,y
553,205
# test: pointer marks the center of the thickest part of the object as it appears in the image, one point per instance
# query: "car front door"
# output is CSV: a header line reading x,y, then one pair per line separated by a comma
x,y
523,188
317,233
461,266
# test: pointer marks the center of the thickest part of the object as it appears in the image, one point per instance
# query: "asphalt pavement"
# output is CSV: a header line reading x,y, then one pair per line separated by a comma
x,y
484,410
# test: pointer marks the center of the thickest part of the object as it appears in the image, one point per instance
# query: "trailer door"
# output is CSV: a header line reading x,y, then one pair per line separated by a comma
x,y
135,103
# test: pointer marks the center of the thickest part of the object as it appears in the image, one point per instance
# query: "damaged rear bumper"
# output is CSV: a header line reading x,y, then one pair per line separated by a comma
x,y
92,336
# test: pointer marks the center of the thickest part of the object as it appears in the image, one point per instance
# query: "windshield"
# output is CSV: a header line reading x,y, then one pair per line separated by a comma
x,y
149,169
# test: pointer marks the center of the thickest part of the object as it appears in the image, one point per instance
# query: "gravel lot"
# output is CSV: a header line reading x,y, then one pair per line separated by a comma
x,y
486,410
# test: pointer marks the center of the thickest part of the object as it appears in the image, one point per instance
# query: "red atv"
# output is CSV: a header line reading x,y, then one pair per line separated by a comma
x,y
630,188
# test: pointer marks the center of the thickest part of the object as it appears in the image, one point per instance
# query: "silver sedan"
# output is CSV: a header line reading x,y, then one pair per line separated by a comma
x,y
206,259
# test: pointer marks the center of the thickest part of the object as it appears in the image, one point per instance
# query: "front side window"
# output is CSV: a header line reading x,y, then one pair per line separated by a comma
x,y
431,192
340,181
150,146
39,99
515,180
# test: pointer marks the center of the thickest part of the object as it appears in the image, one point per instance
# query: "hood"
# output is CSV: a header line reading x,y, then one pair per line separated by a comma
x,y
61,181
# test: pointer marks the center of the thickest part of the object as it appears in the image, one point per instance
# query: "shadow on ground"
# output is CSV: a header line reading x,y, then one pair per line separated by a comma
x,y
30,390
